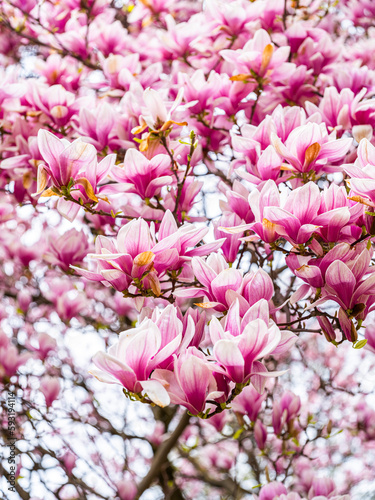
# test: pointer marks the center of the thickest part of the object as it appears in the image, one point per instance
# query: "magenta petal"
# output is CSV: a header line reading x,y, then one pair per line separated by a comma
x,y
335,150
341,280
232,323
50,148
75,158
168,225
134,238
367,286
141,348
259,310
227,279
203,272
194,378
311,275
156,184
122,372
229,355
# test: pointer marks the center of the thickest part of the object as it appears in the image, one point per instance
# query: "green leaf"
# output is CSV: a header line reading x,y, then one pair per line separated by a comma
x,y
360,344
238,433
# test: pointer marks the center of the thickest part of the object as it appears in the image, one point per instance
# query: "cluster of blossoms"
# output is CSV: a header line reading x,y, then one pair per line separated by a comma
x,y
193,185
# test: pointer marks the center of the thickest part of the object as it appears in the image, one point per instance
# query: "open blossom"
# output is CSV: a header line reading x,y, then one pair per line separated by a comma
x,y
121,71
223,285
140,351
142,176
143,260
191,383
239,345
344,110
302,215
68,250
309,147
344,276
277,491
95,126
66,161
259,59
267,167
55,101
156,116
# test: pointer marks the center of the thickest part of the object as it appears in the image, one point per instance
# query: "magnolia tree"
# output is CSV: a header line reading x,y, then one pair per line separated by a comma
x,y
187,209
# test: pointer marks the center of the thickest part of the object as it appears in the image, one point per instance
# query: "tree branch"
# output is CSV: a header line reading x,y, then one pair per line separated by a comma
x,y
161,455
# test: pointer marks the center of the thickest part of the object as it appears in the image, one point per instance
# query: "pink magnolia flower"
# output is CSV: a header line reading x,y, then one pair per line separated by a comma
x,y
70,305
69,460
142,259
191,383
135,356
189,193
223,285
45,345
95,126
355,78
324,487
341,276
11,359
337,214
68,250
238,345
72,166
341,110
142,176
55,101
285,410
64,160
230,18
232,241
259,201
127,489
309,147
317,50
298,89
260,434
24,299
25,5
217,280
237,200
248,403
271,491
259,59
156,116
57,70
50,388
122,71
268,167
255,139
109,38
300,217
